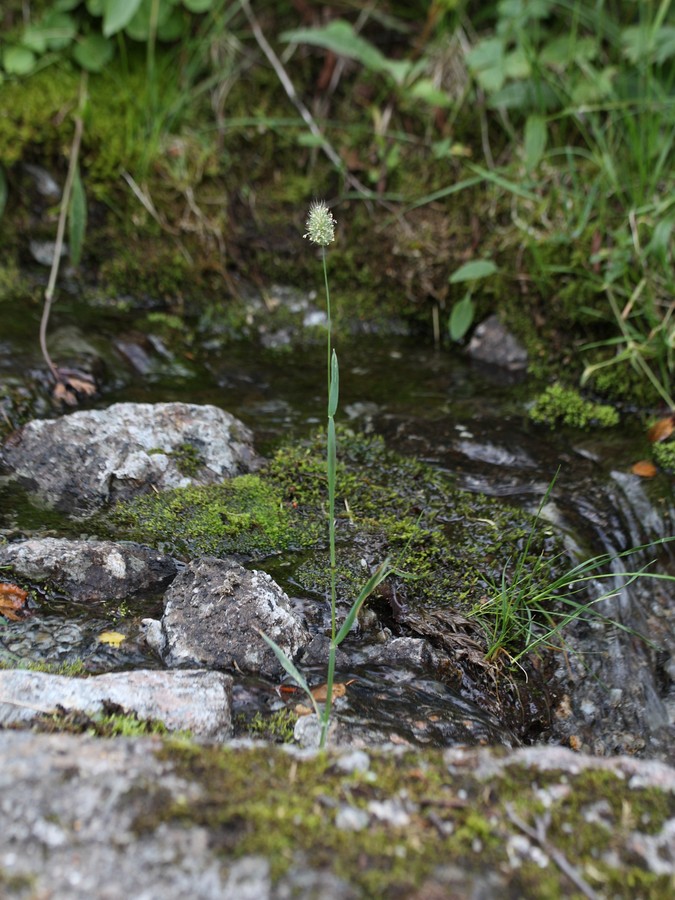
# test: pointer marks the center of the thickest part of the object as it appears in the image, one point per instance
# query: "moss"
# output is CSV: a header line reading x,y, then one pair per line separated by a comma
x,y
74,669
560,405
449,542
265,802
278,727
664,455
113,721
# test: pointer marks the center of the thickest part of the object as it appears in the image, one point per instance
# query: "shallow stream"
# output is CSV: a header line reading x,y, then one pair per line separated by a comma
x,y
467,419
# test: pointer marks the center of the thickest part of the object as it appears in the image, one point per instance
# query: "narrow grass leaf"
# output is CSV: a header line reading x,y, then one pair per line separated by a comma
x,y
378,576
534,141
331,452
3,191
289,667
77,218
333,396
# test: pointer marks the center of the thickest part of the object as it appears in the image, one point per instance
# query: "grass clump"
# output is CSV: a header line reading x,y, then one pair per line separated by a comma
x,y
558,405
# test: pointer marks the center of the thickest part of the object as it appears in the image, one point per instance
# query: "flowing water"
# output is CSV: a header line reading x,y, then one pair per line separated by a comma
x,y
470,421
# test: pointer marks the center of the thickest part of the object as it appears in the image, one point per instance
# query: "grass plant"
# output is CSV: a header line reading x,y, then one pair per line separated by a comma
x,y
321,231
527,612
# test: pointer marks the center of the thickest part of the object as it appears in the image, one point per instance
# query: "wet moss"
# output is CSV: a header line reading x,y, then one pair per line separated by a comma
x,y
664,455
447,542
277,727
558,405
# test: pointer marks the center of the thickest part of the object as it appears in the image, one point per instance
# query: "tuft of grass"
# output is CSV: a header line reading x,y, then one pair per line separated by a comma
x,y
526,612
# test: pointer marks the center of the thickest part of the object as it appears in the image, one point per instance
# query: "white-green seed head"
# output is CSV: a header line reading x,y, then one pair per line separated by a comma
x,y
320,224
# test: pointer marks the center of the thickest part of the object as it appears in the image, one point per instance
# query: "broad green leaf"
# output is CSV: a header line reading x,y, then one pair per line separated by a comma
x,y
534,141
660,243
340,37
517,65
461,318
333,397
18,60
65,5
477,268
425,90
3,191
117,14
59,30
93,52
486,63
95,7
77,219
198,6
665,44
566,49
34,39
169,22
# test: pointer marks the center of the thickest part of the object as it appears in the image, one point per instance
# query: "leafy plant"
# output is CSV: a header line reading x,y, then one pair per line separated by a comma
x,y
526,612
321,231
461,317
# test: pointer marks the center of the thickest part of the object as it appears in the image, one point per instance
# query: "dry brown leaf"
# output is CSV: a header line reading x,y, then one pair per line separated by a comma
x,y
320,693
301,710
661,430
12,600
644,468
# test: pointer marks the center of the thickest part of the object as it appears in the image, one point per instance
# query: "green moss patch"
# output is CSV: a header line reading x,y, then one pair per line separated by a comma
x,y
446,541
418,814
558,405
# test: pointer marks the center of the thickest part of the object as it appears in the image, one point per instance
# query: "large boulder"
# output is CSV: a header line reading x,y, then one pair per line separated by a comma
x,y
200,702
214,613
81,462
90,570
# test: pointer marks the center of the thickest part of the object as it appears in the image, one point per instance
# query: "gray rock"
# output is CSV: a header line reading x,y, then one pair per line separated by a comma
x,y
90,570
80,462
43,252
214,611
196,701
494,344
89,818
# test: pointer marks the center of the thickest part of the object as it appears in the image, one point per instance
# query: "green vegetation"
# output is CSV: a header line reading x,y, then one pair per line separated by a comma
x,y
321,232
560,405
259,801
278,727
527,610
553,122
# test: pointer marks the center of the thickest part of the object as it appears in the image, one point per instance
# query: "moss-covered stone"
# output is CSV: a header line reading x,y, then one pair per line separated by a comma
x,y
446,542
424,818
558,405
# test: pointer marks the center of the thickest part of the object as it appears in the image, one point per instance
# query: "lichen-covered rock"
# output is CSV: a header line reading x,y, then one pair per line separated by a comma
x,y
196,701
80,462
90,570
214,611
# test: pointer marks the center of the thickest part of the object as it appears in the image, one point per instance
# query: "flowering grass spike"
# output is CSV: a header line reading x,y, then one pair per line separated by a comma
x,y
320,224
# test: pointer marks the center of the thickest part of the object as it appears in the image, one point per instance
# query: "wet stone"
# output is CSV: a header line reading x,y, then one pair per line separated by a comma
x,y
186,700
90,570
214,613
83,461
